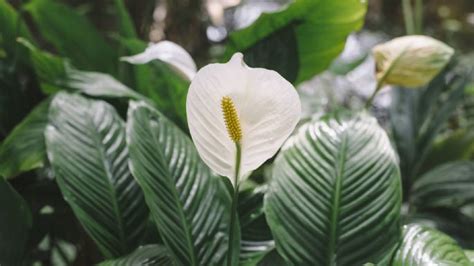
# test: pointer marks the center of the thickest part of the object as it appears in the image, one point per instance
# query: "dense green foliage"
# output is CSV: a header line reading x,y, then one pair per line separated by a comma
x,y
97,165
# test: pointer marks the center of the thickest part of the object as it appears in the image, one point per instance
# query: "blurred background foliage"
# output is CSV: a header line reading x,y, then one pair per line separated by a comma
x,y
431,128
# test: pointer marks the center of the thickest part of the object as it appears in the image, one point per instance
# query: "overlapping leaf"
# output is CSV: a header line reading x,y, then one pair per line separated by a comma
x,y
450,185
73,36
310,32
189,205
86,146
145,255
257,240
335,195
418,115
424,246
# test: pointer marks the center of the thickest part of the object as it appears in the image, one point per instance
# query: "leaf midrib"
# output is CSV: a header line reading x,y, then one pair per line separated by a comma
x,y
159,121
336,198
111,188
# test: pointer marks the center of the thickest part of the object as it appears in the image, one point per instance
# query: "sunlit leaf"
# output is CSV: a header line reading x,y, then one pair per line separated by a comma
x,y
335,195
305,36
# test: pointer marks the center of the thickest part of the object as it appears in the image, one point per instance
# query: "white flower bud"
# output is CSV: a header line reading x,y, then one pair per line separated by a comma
x,y
410,61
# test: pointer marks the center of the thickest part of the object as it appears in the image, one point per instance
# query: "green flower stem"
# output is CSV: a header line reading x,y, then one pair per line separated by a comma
x,y
419,16
408,17
235,199
371,99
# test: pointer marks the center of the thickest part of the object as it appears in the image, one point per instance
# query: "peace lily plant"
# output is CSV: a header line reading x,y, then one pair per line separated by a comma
x,y
238,118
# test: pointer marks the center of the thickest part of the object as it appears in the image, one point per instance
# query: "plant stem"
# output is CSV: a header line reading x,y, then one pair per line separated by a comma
x,y
408,17
419,16
235,199
371,98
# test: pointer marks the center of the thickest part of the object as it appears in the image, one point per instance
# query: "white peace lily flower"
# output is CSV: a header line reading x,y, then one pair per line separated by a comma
x,y
168,52
233,108
411,61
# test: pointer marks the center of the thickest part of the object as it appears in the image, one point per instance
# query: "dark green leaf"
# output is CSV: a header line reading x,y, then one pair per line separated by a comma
x,y
319,28
190,206
257,240
56,72
24,149
144,255
418,115
459,145
335,195
449,185
12,27
73,36
15,223
86,147
18,95
424,246
449,221
125,23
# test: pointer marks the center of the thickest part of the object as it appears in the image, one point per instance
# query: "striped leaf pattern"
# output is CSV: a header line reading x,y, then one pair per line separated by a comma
x,y
335,195
86,146
144,255
450,185
424,246
189,205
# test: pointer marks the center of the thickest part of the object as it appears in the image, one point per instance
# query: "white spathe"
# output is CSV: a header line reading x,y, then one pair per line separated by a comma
x,y
268,107
168,52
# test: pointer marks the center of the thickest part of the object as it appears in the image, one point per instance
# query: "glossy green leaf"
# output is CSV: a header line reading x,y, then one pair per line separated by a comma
x,y
449,185
424,246
15,223
73,36
320,28
190,206
24,148
86,146
417,116
335,195
144,255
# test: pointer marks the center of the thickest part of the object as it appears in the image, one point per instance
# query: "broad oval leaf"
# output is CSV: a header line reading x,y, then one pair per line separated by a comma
x,y
449,185
312,33
189,205
144,255
335,195
86,147
424,246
